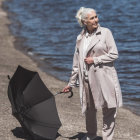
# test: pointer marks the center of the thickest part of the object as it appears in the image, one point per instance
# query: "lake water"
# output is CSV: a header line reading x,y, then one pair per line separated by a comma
x,y
49,30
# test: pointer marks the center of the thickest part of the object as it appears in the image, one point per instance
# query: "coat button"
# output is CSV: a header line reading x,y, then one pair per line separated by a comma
x,y
94,70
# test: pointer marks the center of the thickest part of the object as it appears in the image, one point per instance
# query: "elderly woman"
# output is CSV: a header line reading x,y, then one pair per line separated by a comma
x,y
93,67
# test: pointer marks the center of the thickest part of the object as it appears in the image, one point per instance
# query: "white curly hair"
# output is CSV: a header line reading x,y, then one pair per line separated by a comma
x,y
82,13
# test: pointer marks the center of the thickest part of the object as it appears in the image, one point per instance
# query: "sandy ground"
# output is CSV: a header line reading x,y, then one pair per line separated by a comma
x,y
127,123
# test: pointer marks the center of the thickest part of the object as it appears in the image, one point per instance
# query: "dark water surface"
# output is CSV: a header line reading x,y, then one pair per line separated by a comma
x,y
49,28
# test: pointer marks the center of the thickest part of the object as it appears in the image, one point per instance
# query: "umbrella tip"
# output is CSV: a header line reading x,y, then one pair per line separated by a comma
x,y
8,76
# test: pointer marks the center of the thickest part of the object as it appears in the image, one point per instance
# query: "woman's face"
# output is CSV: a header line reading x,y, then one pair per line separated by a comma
x,y
92,21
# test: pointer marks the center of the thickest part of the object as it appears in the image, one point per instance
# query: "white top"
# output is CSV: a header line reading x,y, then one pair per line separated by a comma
x,y
87,40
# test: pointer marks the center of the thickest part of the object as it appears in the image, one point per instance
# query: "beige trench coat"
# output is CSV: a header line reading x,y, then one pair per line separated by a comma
x,y
103,79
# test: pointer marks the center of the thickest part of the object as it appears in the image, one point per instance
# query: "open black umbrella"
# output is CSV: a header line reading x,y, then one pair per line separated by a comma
x,y
33,104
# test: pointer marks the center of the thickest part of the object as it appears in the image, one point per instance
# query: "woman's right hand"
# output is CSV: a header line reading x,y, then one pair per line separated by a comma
x,y
67,89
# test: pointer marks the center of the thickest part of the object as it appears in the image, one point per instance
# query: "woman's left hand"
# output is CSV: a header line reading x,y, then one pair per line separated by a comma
x,y
89,60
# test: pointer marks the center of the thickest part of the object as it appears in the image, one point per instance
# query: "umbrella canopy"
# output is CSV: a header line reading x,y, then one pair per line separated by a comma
x,y
33,104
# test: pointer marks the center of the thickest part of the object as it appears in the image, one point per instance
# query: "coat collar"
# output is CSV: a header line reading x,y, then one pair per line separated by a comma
x,y
80,36
94,40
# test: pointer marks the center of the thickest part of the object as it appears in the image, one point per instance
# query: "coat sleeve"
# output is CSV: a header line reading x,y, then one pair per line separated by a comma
x,y
75,67
112,53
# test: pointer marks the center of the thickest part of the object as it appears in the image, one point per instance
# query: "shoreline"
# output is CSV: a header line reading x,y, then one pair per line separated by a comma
x,y
41,65
127,123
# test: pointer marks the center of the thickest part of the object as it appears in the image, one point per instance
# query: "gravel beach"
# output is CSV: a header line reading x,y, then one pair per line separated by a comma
x,y
73,123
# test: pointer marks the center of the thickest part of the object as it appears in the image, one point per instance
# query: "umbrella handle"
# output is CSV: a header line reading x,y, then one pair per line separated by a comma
x,y
64,92
70,94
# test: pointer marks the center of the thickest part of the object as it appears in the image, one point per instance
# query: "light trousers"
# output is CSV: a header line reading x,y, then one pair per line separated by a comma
x,y
109,115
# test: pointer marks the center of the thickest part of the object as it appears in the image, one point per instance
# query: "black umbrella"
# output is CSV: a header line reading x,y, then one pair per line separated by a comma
x,y
33,104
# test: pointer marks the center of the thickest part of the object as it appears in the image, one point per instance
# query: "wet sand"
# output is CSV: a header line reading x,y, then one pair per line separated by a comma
x,y
127,123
